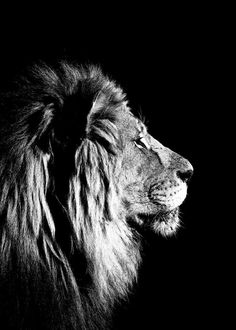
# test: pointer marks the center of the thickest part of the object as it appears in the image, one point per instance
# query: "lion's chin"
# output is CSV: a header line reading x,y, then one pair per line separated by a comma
x,y
167,223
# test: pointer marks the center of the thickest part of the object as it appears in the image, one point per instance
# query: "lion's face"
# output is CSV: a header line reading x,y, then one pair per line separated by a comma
x,y
153,178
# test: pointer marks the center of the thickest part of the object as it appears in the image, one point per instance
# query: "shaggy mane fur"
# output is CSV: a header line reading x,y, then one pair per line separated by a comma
x,y
66,252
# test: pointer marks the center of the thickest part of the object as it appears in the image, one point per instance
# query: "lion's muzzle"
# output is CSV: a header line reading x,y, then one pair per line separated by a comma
x,y
168,193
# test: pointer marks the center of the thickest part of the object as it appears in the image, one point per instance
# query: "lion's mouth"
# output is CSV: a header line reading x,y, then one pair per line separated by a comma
x,y
164,222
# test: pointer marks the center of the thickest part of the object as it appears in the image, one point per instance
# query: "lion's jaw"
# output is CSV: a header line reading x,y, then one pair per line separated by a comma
x,y
168,195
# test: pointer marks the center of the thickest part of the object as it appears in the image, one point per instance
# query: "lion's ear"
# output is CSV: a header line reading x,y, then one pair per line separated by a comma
x,y
63,125
97,103
70,122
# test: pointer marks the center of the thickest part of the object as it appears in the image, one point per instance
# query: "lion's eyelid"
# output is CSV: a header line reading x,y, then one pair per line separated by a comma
x,y
141,143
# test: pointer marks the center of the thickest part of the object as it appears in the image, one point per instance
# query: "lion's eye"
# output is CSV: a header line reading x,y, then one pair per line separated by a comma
x,y
142,143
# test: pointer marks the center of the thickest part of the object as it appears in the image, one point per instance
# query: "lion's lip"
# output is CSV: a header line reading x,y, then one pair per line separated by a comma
x,y
160,216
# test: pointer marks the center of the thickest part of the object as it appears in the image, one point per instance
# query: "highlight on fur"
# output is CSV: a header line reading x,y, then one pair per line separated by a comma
x,y
70,195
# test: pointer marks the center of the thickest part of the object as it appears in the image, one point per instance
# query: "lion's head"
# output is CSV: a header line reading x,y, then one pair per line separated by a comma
x,y
79,175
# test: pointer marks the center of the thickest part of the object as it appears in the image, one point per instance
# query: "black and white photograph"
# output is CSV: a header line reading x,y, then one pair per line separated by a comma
x,y
107,168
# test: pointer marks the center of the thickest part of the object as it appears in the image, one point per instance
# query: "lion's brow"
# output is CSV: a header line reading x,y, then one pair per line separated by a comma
x,y
141,126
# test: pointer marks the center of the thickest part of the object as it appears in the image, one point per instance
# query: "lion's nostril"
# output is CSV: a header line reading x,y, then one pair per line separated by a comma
x,y
184,175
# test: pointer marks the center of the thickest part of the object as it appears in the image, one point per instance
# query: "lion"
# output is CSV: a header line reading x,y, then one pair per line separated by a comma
x,y
80,175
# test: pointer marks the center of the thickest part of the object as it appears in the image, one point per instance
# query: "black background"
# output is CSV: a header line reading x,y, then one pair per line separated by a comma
x,y
170,65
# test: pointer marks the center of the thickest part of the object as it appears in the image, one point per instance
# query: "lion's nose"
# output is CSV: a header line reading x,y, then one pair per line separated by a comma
x,y
185,174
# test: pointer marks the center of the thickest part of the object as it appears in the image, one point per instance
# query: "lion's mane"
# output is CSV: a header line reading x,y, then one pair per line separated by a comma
x,y
66,251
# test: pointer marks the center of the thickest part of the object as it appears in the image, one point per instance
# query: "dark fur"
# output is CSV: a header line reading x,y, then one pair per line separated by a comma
x,y
60,267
